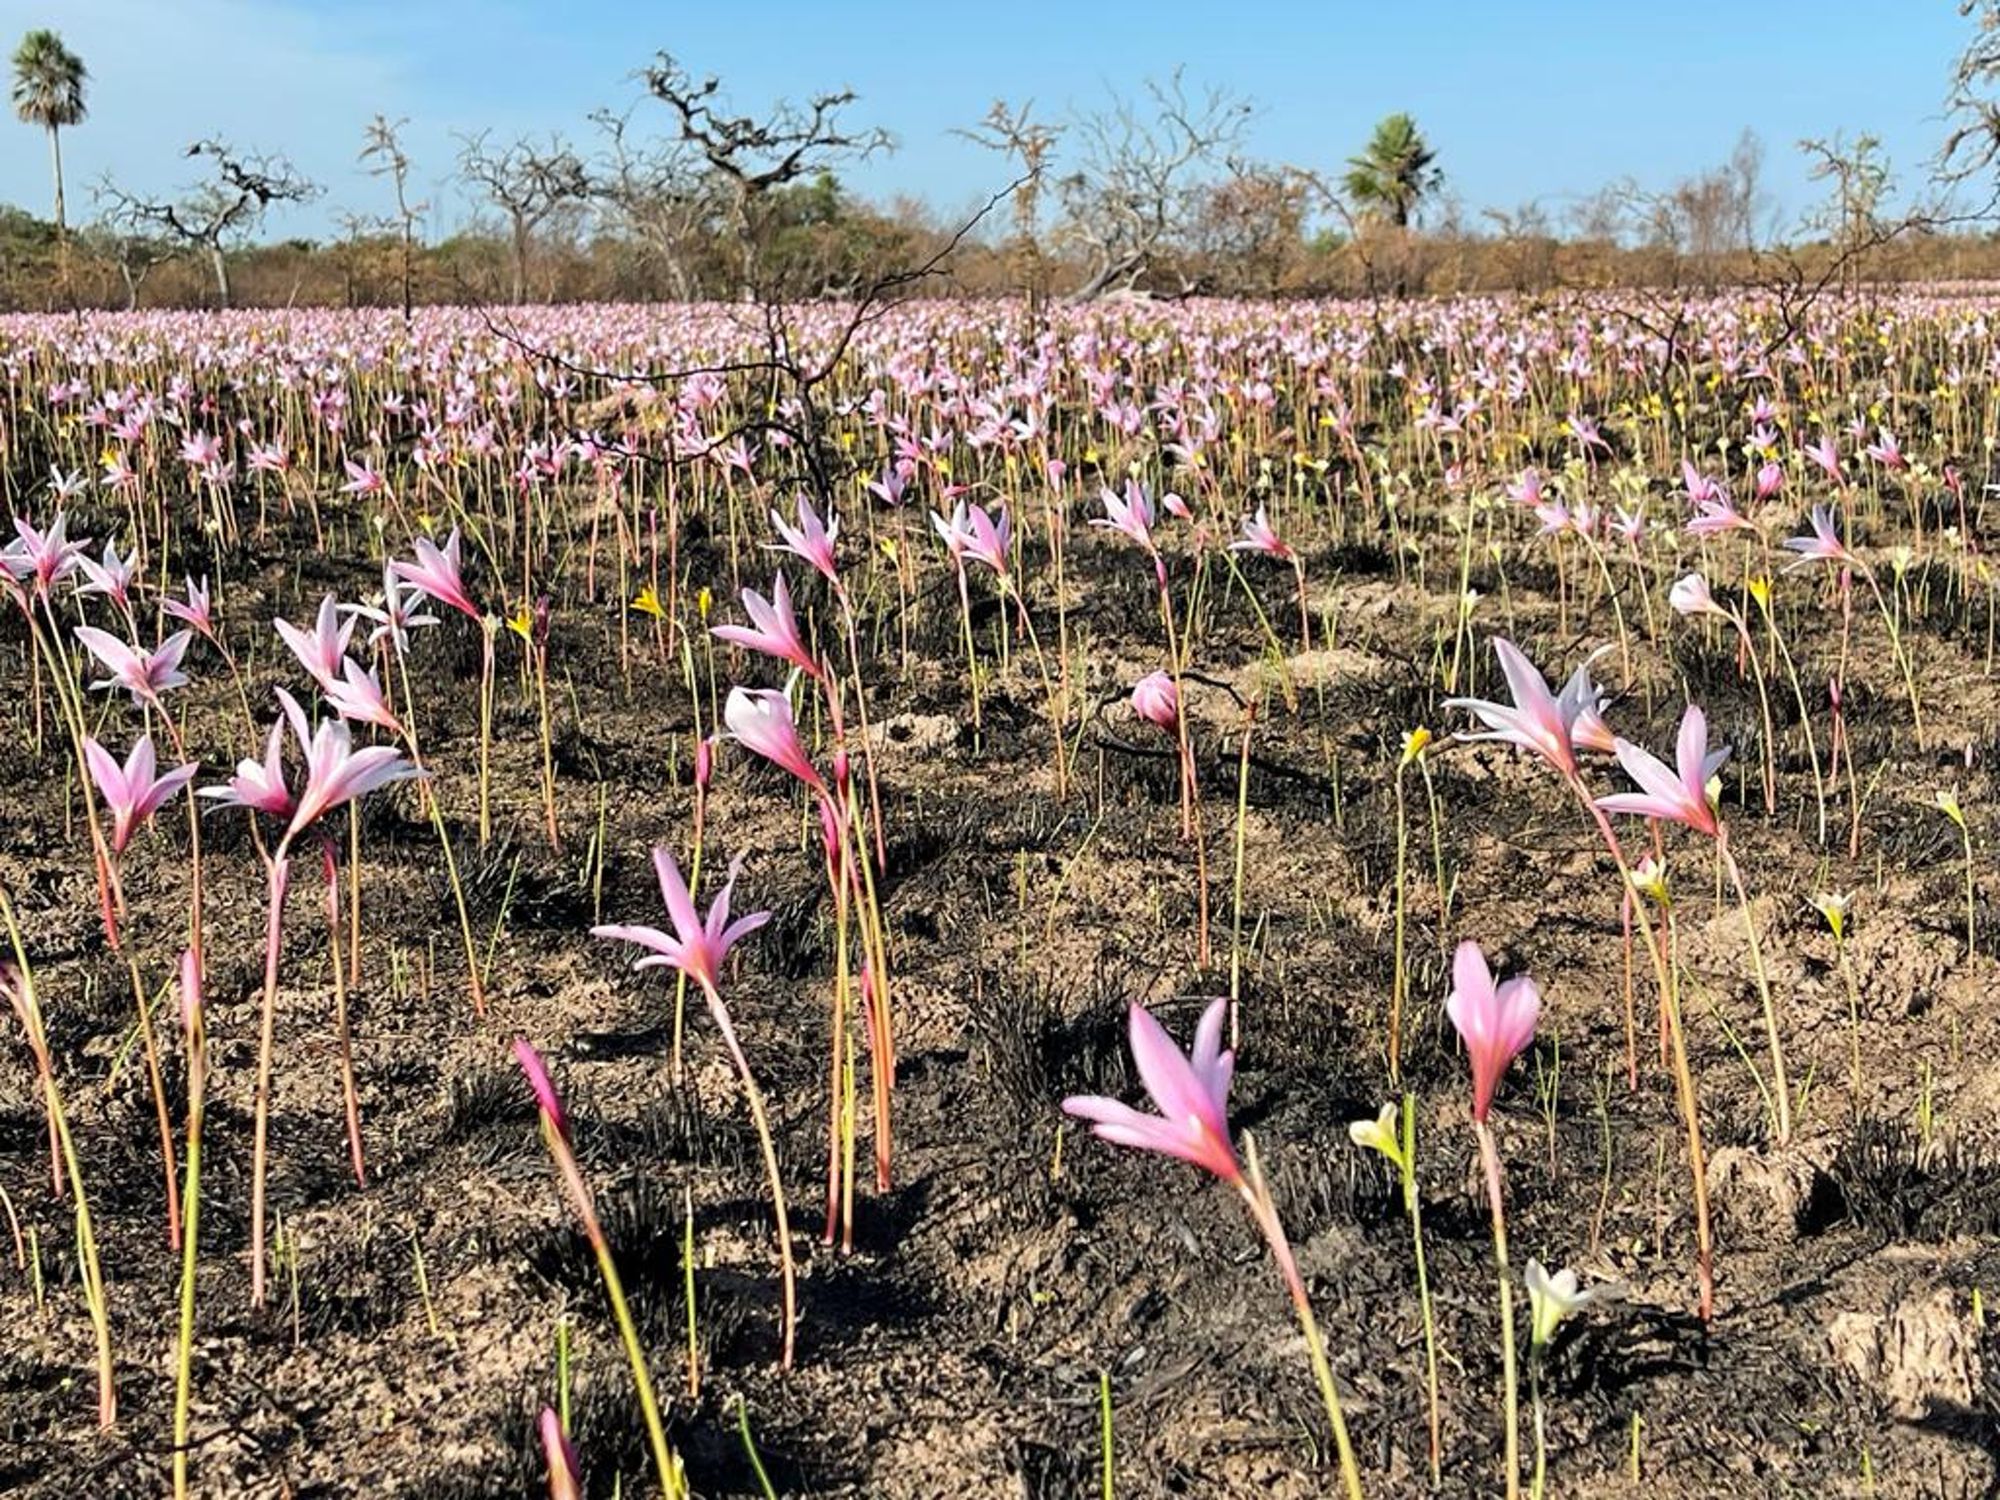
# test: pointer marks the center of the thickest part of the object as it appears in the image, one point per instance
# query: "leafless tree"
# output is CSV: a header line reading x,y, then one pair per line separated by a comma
x,y
209,217
1137,187
1027,144
382,150
751,156
660,195
528,183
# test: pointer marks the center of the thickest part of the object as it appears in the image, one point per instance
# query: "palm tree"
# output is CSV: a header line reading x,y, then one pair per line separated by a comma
x,y
48,91
1394,171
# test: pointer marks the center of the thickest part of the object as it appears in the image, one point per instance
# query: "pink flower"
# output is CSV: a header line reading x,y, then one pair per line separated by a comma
x,y
259,785
1538,720
1824,545
811,540
133,791
436,572
773,630
321,652
144,674
363,479
196,611
337,773
1496,1023
1587,729
972,533
45,556
1259,537
1156,700
112,577
1770,479
761,721
1885,450
1691,596
696,947
1132,515
1191,1094
1679,795
1527,490
357,694
1826,453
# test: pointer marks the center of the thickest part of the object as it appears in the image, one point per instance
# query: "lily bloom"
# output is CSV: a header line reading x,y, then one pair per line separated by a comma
x,y
1692,596
1496,1022
259,785
195,610
811,540
1259,537
1132,515
357,694
112,577
1191,1094
1826,453
773,630
1587,729
1156,700
337,773
1553,1298
1824,545
133,791
1538,720
1885,450
696,947
1677,795
761,720
322,651
1770,479
45,556
437,573
144,674
399,614
973,533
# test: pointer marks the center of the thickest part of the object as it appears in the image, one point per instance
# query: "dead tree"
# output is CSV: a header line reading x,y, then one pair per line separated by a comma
x,y
661,196
1027,144
528,183
1137,189
383,150
209,217
751,157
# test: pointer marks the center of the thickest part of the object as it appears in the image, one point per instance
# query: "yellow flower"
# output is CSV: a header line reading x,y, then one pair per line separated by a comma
x,y
1947,803
1379,1134
1760,590
1415,743
1834,908
1649,879
703,602
647,602
522,623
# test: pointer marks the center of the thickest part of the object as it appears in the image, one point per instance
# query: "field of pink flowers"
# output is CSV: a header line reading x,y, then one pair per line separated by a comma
x,y
1209,899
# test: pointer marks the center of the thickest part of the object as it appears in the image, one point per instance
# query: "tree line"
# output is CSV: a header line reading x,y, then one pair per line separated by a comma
x,y
680,196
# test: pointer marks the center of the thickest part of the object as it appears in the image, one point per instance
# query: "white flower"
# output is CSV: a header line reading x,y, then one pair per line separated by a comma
x,y
1553,1298
1379,1134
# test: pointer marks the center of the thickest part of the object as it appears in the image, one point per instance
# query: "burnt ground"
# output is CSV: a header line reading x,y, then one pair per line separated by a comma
x,y
957,1351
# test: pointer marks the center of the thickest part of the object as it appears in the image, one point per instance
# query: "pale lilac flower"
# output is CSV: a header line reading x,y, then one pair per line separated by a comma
x,y
773,630
195,610
1826,453
47,557
1886,451
322,651
811,540
133,791
112,577
1691,596
1191,1094
761,721
1259,537
436,572
695,947
972,533
1770,479
1156,700
1824,545
398,614
1132,515
143,674
1678,795
337,773
1537,720
357,694
1496,1022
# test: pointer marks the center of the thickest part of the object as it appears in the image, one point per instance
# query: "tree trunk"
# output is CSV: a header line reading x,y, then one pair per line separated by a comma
x,y
55,157
520,260
221,265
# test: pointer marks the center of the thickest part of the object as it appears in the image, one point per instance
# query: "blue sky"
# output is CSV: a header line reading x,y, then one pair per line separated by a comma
x,y
1541,99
